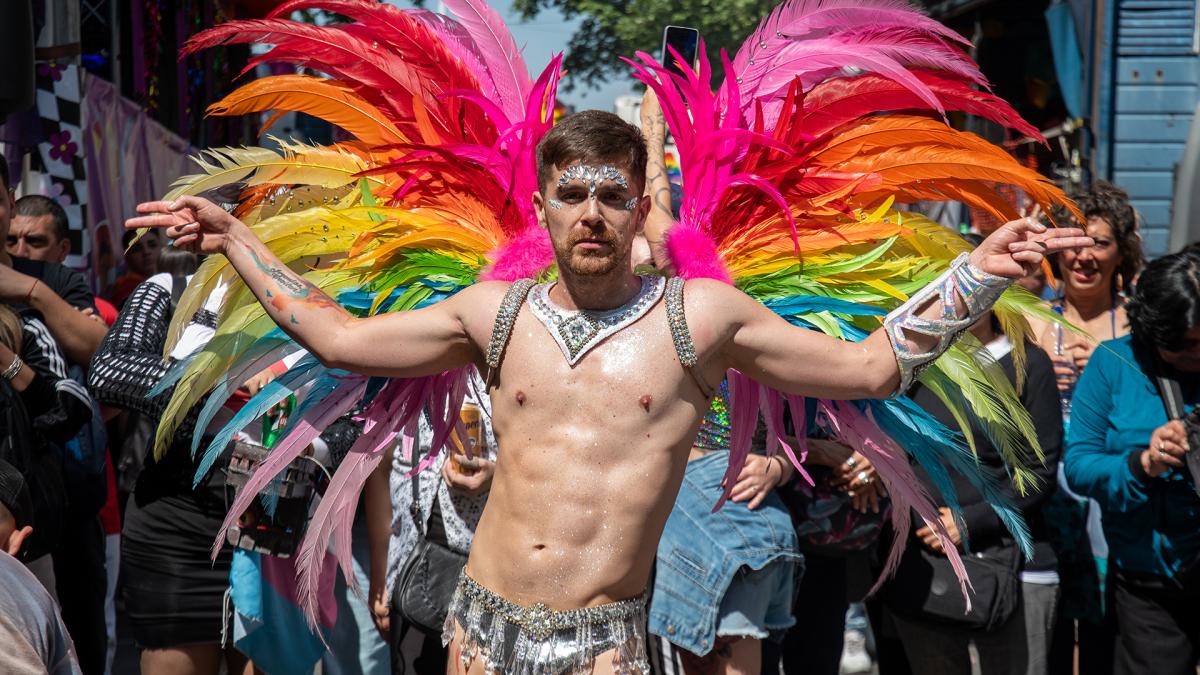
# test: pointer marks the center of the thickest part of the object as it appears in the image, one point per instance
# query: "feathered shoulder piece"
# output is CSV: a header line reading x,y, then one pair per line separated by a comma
x,y
797,171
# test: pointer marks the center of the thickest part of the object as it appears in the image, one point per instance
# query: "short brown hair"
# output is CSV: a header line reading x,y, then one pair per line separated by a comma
x,y
36,206
592,136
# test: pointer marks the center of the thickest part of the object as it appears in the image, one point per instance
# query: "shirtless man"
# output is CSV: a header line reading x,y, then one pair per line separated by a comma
x,y
596,432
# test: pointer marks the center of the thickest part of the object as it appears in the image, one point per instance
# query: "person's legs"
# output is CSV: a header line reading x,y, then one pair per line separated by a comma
x,y
934,649
1041,615
82,582
814,645
1003,650
186,660
757,604
1151,639
729,656
112,564
355,645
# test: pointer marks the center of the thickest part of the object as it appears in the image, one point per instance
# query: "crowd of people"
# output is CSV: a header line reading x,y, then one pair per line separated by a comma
x,y
774,581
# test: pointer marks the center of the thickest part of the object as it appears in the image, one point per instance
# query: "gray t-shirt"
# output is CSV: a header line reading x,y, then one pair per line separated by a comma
x,y
31,631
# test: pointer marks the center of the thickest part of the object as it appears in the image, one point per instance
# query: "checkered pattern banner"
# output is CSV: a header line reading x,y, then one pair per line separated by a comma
x,y
60,154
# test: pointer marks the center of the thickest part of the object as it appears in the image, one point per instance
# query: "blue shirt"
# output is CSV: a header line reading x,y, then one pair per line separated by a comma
x,y
1152,524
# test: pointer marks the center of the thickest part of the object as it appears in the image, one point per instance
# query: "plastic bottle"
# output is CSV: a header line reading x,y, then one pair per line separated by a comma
x,y
1067,392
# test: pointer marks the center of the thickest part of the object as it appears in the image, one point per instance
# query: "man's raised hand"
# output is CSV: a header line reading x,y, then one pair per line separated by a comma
x,y
1019,246
192,223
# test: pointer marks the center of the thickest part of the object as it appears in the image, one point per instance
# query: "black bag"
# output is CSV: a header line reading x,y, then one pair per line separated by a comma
x,y
925,587
428,578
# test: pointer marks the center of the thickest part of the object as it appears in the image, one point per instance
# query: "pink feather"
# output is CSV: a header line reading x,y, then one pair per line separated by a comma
x,y
309,426
808,19
523,256
460,43
501,55
694,255
743,418
860,432
397,406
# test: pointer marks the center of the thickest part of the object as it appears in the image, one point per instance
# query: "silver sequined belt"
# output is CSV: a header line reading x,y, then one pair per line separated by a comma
x,y
539,620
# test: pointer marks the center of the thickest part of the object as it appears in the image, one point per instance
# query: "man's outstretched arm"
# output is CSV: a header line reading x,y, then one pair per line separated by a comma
x,y
767,348
404,344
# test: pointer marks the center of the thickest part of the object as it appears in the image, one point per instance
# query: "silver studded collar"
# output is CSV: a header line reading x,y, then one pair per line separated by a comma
x,y
578,331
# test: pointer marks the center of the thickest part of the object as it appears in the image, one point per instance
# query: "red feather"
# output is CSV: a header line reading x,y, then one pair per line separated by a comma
x,y
845,99
373,73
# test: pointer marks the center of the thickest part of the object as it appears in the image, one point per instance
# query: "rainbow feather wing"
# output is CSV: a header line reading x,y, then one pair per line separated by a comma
x,y
795,173
444,122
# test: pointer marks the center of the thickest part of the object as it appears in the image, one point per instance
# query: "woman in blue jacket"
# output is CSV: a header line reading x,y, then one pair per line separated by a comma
x,y
1124,452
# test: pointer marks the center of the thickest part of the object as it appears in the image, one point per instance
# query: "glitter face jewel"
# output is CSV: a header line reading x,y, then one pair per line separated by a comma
x,y
593,176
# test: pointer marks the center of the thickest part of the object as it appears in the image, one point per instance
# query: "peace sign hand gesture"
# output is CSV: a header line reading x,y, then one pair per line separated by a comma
x,y
1019,246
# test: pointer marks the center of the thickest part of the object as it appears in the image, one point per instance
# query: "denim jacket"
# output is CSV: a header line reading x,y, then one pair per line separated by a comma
x,y
701,551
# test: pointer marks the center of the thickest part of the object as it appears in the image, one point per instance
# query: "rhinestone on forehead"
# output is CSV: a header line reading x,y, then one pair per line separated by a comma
x,y
593,176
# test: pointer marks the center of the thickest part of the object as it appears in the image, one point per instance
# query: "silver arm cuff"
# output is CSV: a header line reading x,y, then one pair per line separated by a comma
x,y
978,290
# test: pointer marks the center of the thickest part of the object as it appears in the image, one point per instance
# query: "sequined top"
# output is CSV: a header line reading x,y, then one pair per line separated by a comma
x,y
714,428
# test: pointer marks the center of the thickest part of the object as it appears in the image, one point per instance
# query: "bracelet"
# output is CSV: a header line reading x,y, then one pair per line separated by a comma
x,y
772,459
29,295
13,368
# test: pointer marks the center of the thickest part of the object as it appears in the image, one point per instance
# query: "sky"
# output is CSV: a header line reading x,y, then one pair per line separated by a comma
x,y
542,37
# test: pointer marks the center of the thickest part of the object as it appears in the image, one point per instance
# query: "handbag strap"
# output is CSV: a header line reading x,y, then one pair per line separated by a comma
x,y
414,509
1172,396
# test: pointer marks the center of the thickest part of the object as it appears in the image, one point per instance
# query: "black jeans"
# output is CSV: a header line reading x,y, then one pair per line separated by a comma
x,y
814,645
81,580
1159,626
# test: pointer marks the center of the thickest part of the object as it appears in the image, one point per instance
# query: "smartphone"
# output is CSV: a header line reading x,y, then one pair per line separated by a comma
x,y
685,41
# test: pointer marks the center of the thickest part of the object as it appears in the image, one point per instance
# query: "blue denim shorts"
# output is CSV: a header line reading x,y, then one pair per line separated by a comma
x,y
722,573
758,603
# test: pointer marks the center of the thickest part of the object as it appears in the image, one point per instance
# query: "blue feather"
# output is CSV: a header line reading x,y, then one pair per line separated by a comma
x,y
304,371
268,350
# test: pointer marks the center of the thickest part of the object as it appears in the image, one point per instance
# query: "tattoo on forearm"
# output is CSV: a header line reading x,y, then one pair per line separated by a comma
x,y
294,288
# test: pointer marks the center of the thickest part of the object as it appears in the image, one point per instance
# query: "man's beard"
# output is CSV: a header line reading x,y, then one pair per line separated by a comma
x,y
582,263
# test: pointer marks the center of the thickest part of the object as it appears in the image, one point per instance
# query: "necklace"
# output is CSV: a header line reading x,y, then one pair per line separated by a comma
x,y
578,331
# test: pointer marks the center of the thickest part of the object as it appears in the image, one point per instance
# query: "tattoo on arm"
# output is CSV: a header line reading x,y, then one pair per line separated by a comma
x,y
292,286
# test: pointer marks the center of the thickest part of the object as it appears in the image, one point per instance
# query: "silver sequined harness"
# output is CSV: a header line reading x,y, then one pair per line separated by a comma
x,y
575,337
537,640
578,331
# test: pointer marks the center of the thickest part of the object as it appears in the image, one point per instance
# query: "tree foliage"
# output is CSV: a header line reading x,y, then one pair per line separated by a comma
x,y
611,29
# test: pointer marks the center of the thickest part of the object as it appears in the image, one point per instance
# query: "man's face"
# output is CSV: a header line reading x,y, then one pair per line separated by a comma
x,y
593,212
34,237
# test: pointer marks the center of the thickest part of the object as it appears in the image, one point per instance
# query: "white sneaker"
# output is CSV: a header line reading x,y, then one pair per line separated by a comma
x,y
854,654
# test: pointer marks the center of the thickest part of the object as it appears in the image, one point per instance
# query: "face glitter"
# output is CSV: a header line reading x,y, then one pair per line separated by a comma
x,y
593,176
554,204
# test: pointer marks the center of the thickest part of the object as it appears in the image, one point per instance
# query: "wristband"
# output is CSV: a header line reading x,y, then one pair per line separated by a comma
x,y
29,295
978,291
